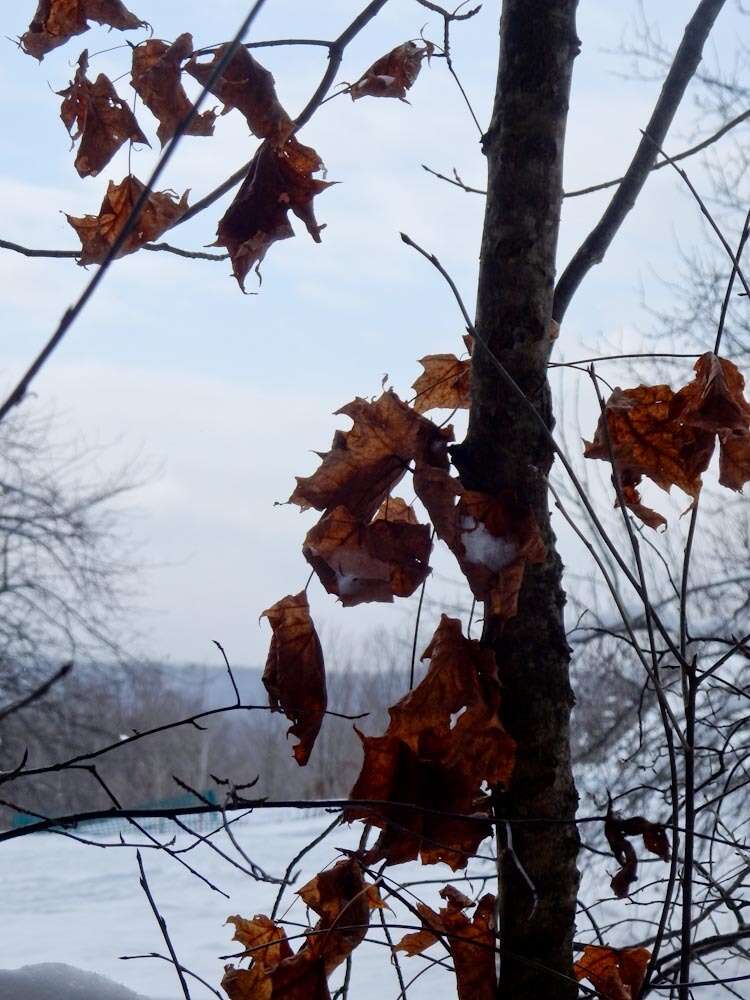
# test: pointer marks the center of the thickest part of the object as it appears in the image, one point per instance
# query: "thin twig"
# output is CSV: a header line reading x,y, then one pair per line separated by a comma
x,y
162,927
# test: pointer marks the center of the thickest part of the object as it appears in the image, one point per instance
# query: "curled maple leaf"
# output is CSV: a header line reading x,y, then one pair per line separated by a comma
x,y
246,85
295,673
714,401
98,233
670,437
638,432
369,562
615,973
471,941
492,537
617,829
343,900
156,78
95,114
278,179
56,21
299,977
445,383
365,463
265,941
444,741
393,74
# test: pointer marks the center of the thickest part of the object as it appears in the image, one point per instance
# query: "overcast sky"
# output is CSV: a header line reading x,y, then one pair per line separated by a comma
x,y
228,395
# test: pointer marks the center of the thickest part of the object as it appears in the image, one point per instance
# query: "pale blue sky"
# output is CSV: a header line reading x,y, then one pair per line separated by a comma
x,y
230,394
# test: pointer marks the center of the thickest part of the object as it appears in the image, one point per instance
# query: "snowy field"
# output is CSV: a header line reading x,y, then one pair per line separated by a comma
x,y
67,902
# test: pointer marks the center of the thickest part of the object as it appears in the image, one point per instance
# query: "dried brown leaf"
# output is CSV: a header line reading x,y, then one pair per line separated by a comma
x,y
246,85
279,179
471,942
265,941
714,401
444,384
617,829
343,900
56,21
444,740
295,674
368,562
156,78
734,459
615,973
366,462
393,74
640,431
95,114
300,977
98,233
492,537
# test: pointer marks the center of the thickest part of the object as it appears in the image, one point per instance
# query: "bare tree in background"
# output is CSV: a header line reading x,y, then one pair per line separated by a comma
x,y
67,572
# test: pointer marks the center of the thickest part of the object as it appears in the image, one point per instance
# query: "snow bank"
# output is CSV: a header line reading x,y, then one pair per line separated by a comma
x,y
53,981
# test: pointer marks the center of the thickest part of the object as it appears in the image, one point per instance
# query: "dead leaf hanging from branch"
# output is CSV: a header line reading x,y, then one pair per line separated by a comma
x,y
295,673
670,437
470,941
98,233
444,741
615,973
279,179
393,74
95,114
246,85
56,21
156,78
360,562
365,463
444,384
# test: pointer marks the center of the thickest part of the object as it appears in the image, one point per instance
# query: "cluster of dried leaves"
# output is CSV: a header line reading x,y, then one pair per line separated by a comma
x,y
281,175
424,781
670,437
343,900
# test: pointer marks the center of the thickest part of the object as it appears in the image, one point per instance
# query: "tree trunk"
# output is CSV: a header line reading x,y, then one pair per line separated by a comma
x,y
506,451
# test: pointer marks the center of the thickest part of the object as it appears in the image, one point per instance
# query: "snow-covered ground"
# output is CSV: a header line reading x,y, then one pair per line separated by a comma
x,y
65,902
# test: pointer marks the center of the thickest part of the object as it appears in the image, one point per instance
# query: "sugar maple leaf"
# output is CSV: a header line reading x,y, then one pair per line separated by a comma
x,y
444,740
156,78
366,462
95,114
471,942
492,537
615,973
295,673
265,941
393,74
714,401
98,233
343,900
669,437
444,384
279,179
639,426
246,85
56,21
362,562
301,977
617,829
